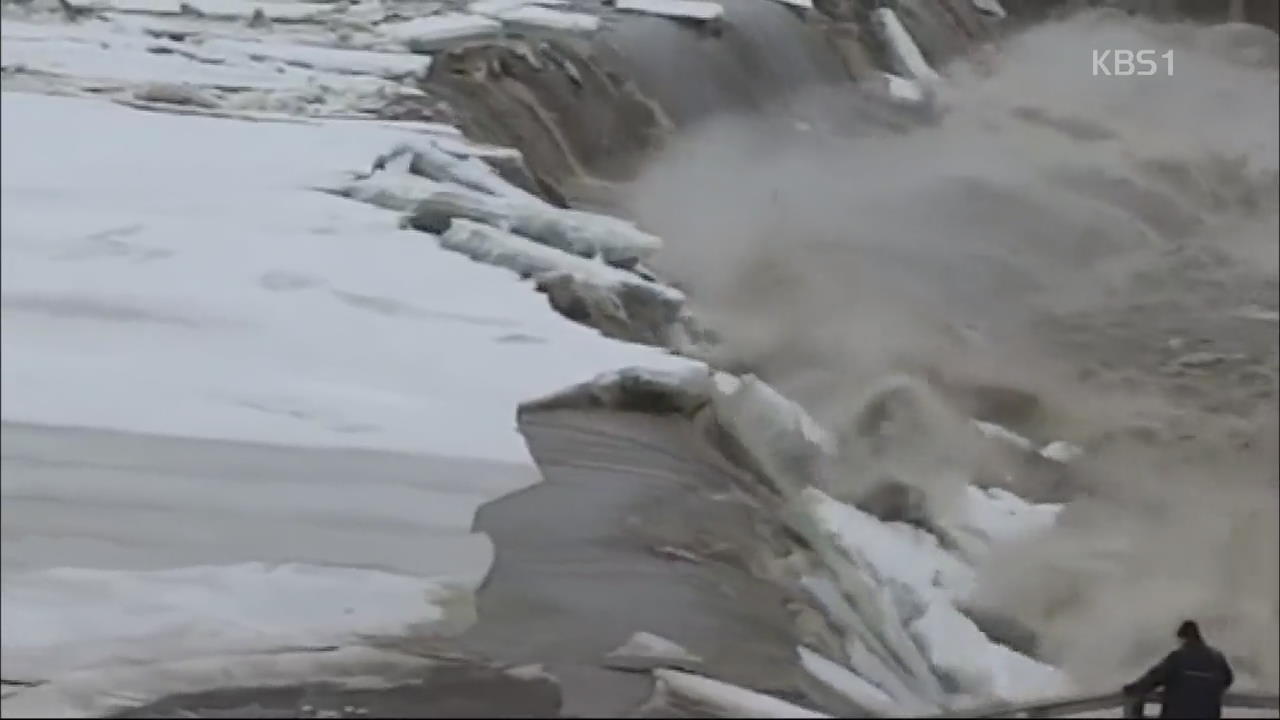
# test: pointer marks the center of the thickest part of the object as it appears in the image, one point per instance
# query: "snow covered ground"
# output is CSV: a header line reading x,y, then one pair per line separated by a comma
x,y
122,546
177,275
225,299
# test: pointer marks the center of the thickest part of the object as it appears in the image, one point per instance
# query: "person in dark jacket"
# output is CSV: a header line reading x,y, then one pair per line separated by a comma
x,y
1194,678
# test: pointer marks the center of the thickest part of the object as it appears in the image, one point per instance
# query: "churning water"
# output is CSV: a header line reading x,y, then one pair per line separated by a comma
x,y
1108,244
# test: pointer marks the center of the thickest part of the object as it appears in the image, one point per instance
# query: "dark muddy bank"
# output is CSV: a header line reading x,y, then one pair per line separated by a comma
x,y
638,526
587,111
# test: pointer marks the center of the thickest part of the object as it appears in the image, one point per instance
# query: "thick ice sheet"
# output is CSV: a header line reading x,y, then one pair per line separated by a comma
x,y
1002,516
898,579
907,55
224,300
64,619
484,243
899,552
956,647
991,7
903,89
234,74
100,693
184,280
95,51
839,678
288,11
426,33
543,17
336,60
725,700
494,7
801,4
701,10
119,501
924,580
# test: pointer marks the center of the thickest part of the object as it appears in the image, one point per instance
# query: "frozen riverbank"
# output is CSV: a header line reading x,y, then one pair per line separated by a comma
x,y
224,301
218,261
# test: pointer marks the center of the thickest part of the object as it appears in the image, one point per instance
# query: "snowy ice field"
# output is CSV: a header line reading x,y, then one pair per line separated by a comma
x,y
188,261
178,274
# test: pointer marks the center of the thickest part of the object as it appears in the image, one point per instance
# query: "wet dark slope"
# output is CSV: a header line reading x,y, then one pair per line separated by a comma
x,y
636,527
586,112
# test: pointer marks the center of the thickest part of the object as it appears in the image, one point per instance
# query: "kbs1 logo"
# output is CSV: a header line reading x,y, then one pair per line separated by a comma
x,y
1132,63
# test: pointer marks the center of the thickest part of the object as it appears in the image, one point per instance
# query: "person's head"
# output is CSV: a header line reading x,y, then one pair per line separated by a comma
x,y
1189,632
